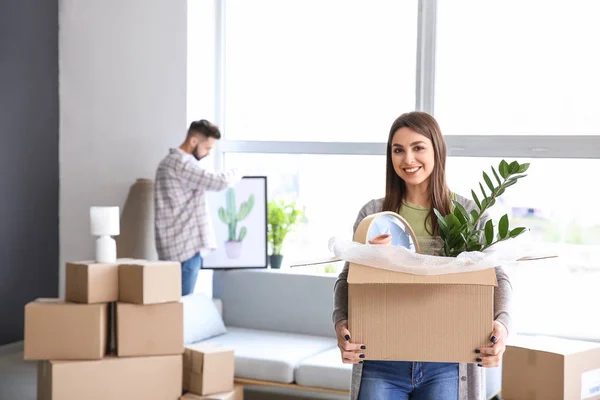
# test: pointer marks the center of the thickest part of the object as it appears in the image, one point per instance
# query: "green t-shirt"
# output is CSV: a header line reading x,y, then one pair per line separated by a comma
x,y
416,216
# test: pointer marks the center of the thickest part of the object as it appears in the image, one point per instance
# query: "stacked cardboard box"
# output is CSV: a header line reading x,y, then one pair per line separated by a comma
x,y
208,373
118,334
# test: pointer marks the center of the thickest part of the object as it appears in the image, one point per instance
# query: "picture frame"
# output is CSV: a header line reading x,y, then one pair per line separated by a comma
x,y
238,216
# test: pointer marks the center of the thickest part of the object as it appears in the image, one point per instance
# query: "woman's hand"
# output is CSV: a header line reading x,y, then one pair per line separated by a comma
x,y
385,238
351,353
492,356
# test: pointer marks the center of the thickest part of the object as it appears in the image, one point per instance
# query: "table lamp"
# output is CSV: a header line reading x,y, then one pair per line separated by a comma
x,y
104,223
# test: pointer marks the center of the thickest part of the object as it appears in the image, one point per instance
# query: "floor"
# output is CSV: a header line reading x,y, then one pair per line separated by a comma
x,y
17,377
18,381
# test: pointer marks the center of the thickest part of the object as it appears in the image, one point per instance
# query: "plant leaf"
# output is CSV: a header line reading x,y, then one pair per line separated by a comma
x,y
516,232
452,221
488,182
523,167
513,168
461,209
440,217
475,199
515,177
474,215
489,232
503,167
483,191
496,176
503,227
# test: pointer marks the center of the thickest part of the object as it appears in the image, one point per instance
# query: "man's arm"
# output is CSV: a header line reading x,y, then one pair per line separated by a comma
x,y
195,176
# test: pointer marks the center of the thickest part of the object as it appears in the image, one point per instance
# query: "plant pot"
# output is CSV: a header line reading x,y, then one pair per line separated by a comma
x,y
233,249
275,260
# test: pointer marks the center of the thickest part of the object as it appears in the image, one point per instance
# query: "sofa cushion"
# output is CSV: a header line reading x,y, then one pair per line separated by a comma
x,y
269,355
201,318
247,304
324,370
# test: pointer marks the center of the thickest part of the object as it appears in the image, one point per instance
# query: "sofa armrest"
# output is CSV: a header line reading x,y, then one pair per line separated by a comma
x,y
219,305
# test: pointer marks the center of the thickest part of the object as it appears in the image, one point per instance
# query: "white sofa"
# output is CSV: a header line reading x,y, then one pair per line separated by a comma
x,y
279,324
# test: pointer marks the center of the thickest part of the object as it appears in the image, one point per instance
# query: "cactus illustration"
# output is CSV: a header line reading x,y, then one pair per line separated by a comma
x,y
231,217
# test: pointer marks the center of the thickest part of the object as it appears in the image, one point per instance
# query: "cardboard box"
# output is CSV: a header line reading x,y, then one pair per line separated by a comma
x,y
92,282
208,369
150,282
148,378
538,367
236,394
153,329
406,317
55,329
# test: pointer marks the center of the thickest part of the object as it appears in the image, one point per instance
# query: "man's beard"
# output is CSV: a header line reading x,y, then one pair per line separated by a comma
x,y
195,154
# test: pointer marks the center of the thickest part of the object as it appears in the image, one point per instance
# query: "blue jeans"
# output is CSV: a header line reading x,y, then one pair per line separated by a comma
x,y
189,274
403,380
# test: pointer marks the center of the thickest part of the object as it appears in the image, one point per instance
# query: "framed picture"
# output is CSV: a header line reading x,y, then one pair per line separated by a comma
x,y
239,218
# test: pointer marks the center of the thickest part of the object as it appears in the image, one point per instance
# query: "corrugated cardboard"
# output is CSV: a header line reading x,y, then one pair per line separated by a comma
x,y
67,331
398,316
92,282
208,369
150,282
537,367
152,329
236,394
147,378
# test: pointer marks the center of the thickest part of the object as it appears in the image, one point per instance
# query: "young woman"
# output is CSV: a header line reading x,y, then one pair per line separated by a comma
x,y
415,184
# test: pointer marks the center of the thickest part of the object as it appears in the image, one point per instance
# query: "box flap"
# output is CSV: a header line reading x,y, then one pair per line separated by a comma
x,y
362,274
552,345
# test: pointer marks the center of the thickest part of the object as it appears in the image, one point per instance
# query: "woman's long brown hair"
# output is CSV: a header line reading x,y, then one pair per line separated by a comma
x,y
395,187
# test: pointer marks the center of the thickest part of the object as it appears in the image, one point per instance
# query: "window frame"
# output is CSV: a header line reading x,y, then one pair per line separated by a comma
x,y
502,146
507,146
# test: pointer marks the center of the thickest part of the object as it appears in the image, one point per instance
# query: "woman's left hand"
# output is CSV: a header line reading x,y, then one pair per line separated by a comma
x,y
492,356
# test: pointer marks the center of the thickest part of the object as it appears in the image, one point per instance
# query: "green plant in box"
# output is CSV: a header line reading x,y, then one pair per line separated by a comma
x,y
459,229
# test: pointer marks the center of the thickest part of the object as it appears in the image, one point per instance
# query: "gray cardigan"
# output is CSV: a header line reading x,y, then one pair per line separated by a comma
x,y
471,384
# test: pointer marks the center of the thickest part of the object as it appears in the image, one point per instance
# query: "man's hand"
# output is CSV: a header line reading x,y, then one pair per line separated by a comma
x,y
492,356
351,353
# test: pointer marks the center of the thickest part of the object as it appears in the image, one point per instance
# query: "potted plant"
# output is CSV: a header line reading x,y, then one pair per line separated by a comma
x,y
459,230
231,216
282,218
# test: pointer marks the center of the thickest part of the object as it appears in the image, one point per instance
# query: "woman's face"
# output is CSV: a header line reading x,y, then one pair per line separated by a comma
x,y
412,156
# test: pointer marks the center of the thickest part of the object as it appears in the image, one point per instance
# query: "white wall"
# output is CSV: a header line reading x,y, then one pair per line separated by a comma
x,y
122,104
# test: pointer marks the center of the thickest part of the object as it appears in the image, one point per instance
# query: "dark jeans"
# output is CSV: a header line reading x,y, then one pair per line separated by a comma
x,y
189,274
403,380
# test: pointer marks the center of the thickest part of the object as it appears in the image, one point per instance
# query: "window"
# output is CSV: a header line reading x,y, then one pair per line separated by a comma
x,y
517,67
306,93
327,187
321,71
557,203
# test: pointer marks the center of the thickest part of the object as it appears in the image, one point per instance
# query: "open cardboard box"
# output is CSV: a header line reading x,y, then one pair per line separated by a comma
x,y
407,317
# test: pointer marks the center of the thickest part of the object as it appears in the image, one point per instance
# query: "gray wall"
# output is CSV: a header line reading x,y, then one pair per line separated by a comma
x,y
28,158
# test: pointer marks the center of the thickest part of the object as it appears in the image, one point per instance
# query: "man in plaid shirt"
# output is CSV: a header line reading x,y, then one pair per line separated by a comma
x,y
183,229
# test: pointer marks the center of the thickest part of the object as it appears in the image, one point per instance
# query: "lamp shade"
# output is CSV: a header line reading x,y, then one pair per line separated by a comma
x,y
104,221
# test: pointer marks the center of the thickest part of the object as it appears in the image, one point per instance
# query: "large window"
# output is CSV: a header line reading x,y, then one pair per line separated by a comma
x,y
519,67
306,92
311,70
